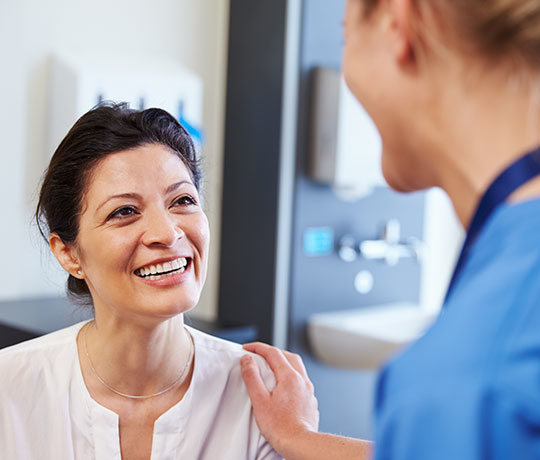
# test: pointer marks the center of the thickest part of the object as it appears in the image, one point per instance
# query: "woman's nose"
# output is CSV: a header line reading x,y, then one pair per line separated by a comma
x,y
161,229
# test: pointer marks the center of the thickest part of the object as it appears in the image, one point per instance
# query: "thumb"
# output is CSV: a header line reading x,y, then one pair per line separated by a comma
x,y
257,391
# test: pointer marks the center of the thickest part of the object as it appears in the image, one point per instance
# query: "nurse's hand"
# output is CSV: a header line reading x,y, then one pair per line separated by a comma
x,y
288,416
289,411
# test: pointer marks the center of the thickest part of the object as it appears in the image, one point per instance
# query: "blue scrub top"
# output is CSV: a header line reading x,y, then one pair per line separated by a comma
x,y
470,388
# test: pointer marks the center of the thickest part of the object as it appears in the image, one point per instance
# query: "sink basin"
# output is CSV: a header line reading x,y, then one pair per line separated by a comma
x,y
365,338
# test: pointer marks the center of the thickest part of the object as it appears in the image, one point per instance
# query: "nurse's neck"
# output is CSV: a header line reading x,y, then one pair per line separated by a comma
x,y
486,127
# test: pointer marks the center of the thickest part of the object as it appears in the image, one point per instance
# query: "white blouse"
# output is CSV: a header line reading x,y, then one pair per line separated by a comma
x,y
47,413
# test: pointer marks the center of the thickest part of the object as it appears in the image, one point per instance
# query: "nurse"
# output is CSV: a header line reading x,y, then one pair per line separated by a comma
x,y
121,209
454,89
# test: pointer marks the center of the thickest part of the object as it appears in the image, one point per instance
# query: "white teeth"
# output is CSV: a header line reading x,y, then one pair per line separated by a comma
x,y
157,271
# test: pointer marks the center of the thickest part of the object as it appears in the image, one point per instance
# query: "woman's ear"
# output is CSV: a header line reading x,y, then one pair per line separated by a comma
x,y
66,254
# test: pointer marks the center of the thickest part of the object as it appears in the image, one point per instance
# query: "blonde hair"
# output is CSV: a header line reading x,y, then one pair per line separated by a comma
x,y
494,29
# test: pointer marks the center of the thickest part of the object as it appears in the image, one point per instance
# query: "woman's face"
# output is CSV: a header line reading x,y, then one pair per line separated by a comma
x,y
143,237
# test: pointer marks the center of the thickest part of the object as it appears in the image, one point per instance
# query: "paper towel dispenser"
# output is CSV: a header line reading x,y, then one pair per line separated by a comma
x,y
345,146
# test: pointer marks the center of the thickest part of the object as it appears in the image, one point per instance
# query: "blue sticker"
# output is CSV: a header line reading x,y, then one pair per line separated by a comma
x,y
194,131
318,241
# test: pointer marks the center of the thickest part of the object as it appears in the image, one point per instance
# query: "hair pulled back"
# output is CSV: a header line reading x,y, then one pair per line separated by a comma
x,y
104,130
495,29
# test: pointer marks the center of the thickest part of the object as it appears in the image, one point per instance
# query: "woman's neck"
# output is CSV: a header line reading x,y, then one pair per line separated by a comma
x,y
134,358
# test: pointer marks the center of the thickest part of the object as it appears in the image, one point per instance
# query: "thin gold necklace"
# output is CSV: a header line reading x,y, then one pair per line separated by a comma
x,y
177,382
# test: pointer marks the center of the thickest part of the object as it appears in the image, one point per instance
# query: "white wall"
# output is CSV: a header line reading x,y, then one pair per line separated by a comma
x,y
192,32
443,240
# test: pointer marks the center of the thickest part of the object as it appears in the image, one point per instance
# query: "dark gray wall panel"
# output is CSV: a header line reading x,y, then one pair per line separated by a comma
x,y
250,181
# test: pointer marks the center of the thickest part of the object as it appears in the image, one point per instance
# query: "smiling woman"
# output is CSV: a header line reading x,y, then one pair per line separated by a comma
x,y
141,211
120,208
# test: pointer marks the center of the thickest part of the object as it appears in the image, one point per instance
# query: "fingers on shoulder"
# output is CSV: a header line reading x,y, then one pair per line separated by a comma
x,y
258,377
295,360
249,366
273,355
262,349
285,364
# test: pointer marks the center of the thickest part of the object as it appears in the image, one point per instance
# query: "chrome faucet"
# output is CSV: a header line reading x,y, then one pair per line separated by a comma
x,y
389,248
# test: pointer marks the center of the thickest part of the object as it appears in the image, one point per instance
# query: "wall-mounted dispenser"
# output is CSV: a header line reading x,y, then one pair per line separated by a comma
x,y
340,127
79,83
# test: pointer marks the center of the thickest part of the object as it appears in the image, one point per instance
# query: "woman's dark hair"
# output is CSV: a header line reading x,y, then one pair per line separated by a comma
x,y
106,129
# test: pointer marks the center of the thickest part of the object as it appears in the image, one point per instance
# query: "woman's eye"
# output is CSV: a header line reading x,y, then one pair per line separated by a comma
x,y
126,211
185,200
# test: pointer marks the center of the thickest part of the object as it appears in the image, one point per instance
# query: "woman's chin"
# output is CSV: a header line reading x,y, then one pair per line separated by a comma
x,y
174,309
160,314
163,309
164,301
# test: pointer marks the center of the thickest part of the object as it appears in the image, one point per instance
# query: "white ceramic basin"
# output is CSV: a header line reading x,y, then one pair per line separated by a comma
x,y
365,338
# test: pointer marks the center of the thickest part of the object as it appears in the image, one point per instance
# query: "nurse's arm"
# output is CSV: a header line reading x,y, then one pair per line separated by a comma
x,y
288,416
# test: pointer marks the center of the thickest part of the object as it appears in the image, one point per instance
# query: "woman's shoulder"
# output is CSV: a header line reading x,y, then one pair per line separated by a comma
x,y
225,355
211,342
37,350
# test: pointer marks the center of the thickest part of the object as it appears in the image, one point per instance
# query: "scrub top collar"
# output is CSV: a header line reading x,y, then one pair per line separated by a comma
x,y
521,171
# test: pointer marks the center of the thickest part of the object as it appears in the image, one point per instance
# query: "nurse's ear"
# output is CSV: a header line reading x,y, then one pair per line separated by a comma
x,y
401,24
67,256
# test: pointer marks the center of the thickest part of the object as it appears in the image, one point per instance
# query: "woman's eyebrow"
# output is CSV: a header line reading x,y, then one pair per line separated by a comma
x,y
120,195
176,185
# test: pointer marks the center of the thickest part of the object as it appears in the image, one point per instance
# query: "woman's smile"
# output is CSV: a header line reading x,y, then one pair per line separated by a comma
x,y
159,267
165,274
